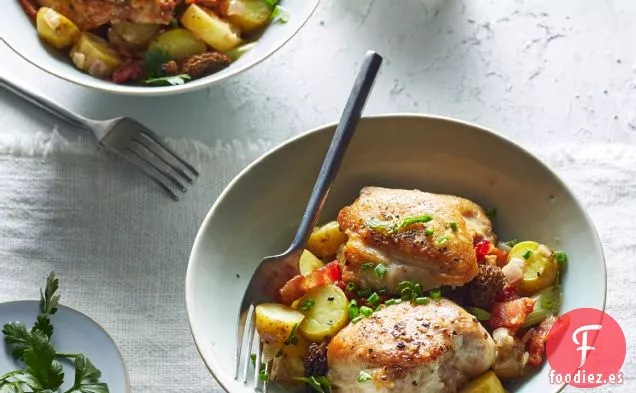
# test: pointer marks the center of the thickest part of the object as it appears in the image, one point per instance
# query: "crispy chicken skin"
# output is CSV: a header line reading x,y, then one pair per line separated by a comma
x,y
405,348
89,14
445,257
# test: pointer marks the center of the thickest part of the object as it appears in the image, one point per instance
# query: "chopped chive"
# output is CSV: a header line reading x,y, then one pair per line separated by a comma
x,y
406,293
365,293
512,243
418,289
263,375
390,302
429,232
353,310
442,240
422,300
453,226
436,293
350,287
481,314
253,357
307,305
527,254
382,291
380,270
292,339
366,311
364,376
405,284
357,319
561,257
367,266
373,298
492,212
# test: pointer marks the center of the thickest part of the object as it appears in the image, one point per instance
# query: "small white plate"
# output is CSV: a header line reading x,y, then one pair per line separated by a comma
x,y
74,333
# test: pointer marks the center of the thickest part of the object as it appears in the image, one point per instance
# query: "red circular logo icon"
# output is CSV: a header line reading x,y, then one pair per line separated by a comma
x,y
586,348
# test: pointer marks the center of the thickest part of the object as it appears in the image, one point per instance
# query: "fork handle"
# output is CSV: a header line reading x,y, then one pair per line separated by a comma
x,y
342,136
45,103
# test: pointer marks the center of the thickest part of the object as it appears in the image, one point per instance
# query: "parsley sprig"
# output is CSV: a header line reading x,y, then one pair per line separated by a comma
x,y
43,372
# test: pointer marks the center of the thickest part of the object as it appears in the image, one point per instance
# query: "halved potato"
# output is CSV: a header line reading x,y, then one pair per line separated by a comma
x,y
485,383
309,263
325,241
540,268
275,322
327,313
55,28
249,15
179,44
92,54
206,25
132,35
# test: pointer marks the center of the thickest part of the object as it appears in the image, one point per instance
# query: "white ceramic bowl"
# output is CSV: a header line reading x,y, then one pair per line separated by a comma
x,y
259,211
17,31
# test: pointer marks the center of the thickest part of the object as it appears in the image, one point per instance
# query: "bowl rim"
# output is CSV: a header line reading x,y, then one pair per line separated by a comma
x,y
139,91
94,322
398,115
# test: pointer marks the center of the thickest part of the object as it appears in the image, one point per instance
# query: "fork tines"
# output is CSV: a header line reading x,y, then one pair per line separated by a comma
x,y
245,358
160,163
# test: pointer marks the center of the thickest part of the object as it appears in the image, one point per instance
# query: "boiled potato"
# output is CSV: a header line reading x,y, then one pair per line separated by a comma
x,y
179,44
327,315
324,241
55,28
92,54
485,383
216,32
275,322
132,35
309,263
540,268
249,15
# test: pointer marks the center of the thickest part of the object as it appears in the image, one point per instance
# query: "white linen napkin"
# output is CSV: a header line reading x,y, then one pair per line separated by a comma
x,y
121,247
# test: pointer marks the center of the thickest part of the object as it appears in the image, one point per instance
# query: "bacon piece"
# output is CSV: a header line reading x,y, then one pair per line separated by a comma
x,y
299,285
510,314
30,8
128,72
538,337
508,293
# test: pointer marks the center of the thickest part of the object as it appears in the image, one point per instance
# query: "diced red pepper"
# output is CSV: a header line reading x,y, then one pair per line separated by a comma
x,y
482,249
299,285
536,343
510,314
508,293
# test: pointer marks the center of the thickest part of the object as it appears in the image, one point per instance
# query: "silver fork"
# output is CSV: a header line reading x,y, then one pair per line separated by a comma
x,y
274,271
125,137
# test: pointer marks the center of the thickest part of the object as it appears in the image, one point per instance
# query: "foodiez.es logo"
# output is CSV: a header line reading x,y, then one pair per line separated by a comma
x,y
586,348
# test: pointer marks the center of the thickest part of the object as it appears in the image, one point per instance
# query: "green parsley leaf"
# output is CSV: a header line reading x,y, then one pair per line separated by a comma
x,y
174,80
380,270
307,305
481,314
154,60
318,384
16,335
87,377
40,360
561,257
364,376
280,15
43,324
49,300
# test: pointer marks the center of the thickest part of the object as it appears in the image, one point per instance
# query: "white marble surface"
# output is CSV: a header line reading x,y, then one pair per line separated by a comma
x,y
533,70
539,71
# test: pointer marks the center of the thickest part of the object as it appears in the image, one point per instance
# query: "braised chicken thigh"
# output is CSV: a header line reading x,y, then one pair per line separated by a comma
x,y
411,348
423,237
